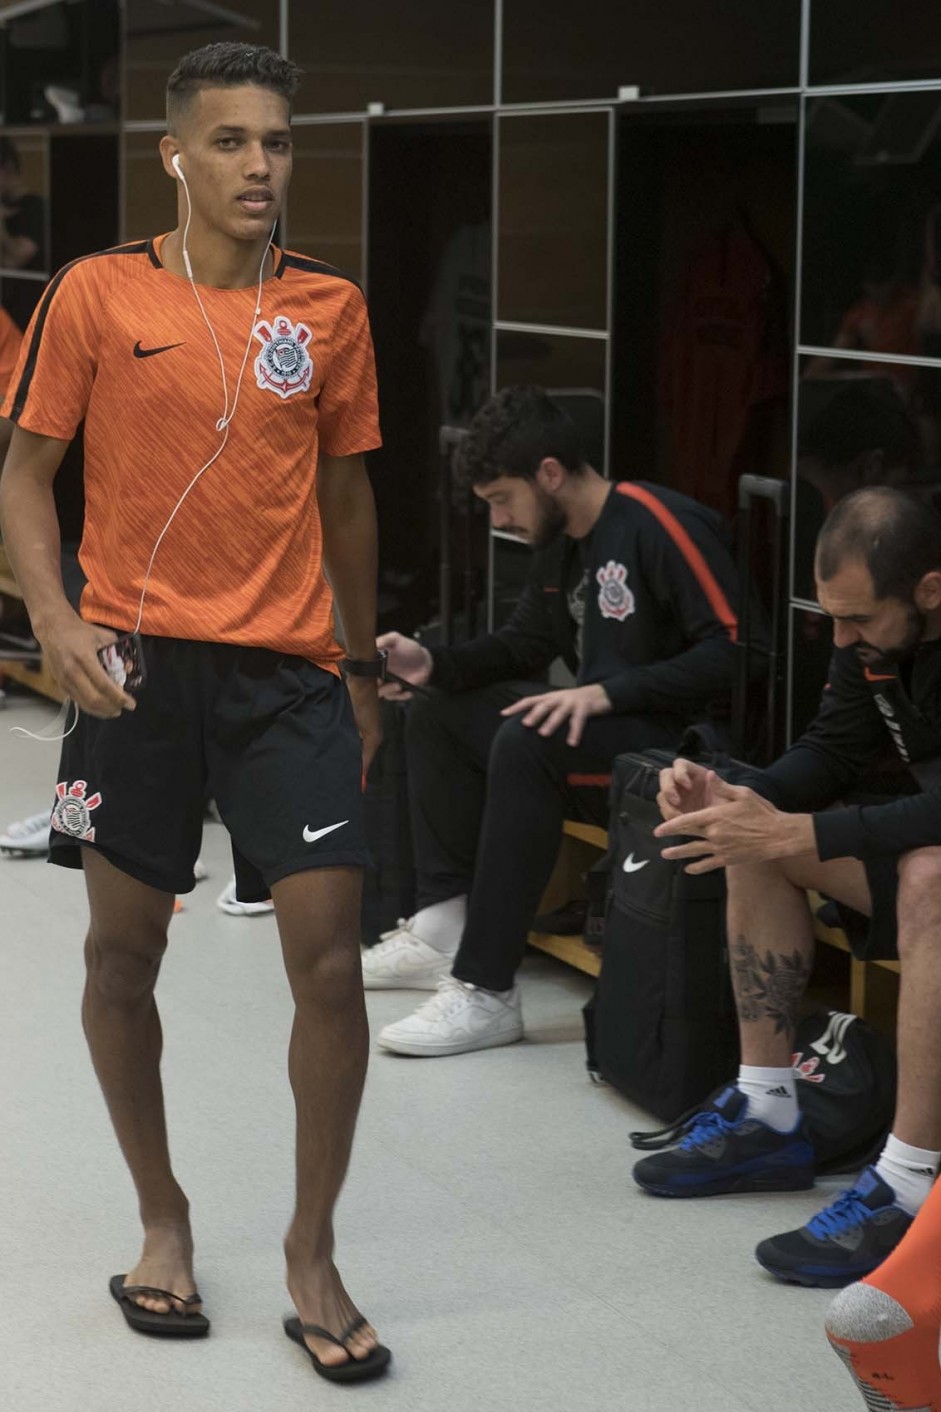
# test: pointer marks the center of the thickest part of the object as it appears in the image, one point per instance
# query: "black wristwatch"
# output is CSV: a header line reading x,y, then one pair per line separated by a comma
x,y
366,666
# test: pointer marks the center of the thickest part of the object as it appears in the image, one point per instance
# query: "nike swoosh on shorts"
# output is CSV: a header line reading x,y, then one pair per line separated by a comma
x,y
311,835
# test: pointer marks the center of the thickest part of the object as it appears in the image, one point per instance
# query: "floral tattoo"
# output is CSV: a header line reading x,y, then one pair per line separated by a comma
x,y
769,987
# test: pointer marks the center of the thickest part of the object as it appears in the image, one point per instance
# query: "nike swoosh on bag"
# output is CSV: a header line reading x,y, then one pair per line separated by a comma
x,y
630,866
311,835
149,352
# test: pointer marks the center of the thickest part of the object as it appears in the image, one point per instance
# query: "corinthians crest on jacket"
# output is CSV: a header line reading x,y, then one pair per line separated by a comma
x,y
284,365
615,599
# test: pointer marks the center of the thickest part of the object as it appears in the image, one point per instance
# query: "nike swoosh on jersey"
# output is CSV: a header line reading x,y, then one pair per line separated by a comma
x,y
149,352
630,866
311,835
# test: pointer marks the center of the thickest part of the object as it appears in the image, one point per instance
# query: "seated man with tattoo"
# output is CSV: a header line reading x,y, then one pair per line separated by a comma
x,y
787,829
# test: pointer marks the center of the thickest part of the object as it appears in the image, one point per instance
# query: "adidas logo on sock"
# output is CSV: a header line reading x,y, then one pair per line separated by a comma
x,y
781,1092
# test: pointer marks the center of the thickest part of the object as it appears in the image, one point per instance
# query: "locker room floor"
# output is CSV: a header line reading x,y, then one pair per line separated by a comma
x,y
489,1227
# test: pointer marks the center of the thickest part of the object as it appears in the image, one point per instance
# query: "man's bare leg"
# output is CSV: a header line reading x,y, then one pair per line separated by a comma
x,y
771,945
126,940
318,918
918,1109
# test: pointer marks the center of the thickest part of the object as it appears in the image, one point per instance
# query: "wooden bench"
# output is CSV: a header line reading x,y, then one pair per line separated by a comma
x,y
35,675
583,844
861,972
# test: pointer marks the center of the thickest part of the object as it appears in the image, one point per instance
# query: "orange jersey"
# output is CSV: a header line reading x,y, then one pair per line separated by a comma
x,y
10,340
120,341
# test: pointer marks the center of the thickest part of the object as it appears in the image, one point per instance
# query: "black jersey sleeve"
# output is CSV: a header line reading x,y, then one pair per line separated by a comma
x,y
827,763
523,648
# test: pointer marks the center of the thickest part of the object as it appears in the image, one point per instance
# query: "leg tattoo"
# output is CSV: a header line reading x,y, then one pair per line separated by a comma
x,y
769,987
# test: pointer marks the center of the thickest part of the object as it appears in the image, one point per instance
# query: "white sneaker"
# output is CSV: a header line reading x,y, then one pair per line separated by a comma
x,y
28,836
457,1019
400,960
228,902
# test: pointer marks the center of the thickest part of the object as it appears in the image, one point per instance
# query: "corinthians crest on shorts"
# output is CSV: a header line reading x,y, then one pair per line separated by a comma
x,y
71,813
615,599
284,365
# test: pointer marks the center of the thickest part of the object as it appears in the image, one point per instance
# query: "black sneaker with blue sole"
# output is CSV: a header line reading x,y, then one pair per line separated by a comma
x,y
844,1242
724,1150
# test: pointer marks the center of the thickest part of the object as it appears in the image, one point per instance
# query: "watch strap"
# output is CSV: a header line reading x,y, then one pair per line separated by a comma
x,y
366,666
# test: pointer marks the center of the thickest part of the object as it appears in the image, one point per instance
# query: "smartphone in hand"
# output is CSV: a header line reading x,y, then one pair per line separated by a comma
x,y
123,660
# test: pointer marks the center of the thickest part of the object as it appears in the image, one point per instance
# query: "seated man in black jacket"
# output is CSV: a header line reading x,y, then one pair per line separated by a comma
x,y
878,569
631,586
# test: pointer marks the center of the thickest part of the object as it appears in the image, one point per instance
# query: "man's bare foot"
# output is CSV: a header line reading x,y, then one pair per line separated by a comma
x,y
319,1297
166,1263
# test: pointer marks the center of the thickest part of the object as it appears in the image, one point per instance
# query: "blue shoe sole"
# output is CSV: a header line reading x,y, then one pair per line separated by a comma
x,y
817,1281
741,1184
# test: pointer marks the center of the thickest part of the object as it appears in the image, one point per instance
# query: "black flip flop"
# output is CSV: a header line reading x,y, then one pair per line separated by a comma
x,y
147,1321
357,1370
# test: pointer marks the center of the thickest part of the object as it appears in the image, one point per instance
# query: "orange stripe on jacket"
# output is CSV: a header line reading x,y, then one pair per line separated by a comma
x,y
691,553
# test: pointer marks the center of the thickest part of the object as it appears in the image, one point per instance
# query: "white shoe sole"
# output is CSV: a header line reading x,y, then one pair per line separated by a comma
x,y
418,982
423,1049
246,909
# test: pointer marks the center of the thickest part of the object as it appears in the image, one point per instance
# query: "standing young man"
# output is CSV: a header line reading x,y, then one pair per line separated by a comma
x,y
228,393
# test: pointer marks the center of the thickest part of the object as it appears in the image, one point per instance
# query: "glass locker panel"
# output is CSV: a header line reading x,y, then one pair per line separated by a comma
x,y
553,50
874,41
858,424
149,194
871,220
158,34
325,201
553,220
413,54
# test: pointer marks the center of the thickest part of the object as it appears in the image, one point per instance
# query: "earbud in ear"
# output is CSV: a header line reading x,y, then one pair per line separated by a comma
x,y
177,165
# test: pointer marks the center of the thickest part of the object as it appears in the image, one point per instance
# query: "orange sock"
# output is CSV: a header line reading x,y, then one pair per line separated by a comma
x,y
887,1328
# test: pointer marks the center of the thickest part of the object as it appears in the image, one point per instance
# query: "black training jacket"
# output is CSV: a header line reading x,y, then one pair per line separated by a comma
x,y
862,705
659,626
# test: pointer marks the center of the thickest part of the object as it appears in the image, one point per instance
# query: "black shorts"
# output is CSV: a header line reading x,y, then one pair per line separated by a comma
x,y
875,938
270,738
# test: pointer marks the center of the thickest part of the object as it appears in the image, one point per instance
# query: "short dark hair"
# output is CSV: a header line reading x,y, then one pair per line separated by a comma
x,y
895,535
228,65
514,432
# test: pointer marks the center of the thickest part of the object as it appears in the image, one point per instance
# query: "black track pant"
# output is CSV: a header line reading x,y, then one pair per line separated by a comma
x,y
488,798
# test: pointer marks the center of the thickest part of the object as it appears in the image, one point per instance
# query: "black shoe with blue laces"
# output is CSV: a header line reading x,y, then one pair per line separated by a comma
x,y
844,1242
722,1149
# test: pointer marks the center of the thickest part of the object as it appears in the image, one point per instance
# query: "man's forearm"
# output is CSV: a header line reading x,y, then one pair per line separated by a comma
x,y
348,516
30,530
798,835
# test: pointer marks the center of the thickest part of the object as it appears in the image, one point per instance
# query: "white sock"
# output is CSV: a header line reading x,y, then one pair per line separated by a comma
x,y
910,1172
442,924
771,1094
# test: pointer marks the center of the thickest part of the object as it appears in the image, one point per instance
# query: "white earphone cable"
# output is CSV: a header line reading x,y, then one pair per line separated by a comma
x,y
222,425
58,720
224,421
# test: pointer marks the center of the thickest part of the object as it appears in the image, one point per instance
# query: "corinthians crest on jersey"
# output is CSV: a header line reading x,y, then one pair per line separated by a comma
x,y
284,365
